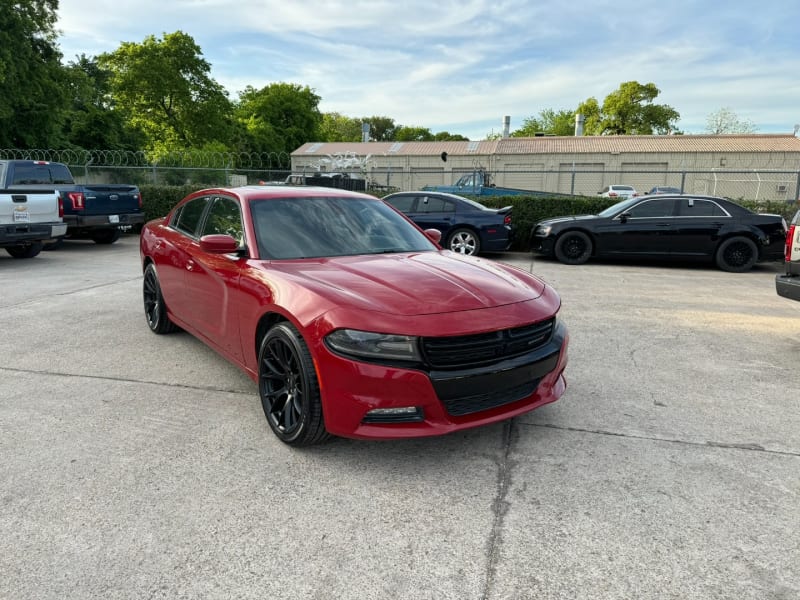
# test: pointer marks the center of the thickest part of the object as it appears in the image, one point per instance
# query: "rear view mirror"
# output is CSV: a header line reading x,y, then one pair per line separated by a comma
x,y
218,244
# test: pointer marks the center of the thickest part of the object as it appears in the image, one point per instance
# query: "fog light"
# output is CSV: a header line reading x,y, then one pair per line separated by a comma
x,y
403,414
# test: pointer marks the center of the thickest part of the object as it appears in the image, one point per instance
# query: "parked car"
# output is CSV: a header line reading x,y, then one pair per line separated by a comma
x,y
674,227
664,189
352,321
788,284
618,191
467,227
29,219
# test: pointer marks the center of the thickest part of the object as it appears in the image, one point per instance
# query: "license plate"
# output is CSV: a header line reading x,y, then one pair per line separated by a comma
x,y
22,216
113,218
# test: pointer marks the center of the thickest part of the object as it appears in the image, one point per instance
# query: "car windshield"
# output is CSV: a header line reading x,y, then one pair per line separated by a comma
x,y
618,207
316,227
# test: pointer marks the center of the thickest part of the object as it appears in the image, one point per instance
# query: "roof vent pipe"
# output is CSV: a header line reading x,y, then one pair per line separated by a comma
x,y
579,119
506,126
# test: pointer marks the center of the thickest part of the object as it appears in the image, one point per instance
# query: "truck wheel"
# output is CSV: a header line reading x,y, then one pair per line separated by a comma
x,y
288,386
464,241
105,236
25,250
155,310
573,248
737,254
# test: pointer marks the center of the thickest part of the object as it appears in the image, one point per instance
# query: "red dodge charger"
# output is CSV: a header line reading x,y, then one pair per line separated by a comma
x,y
352,320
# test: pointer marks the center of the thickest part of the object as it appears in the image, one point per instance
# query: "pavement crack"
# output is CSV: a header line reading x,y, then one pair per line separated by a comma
x,y
499,506
748,447
204,388
71,292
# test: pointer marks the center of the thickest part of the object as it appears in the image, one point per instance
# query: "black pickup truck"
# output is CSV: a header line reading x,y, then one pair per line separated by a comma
x,y
95,211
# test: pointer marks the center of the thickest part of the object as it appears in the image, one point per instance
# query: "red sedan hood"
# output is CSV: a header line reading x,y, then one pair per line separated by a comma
x,y
412,284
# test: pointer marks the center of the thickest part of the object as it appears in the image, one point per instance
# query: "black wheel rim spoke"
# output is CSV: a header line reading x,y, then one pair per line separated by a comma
x,y
281,385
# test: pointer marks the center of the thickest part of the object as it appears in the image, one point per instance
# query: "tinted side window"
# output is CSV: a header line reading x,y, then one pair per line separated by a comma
x,y
402,203
652,209
188,219
433,204
46,173
700,208
224,217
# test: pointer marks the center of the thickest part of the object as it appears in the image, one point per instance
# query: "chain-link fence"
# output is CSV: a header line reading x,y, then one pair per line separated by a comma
x,y
206,168
766,185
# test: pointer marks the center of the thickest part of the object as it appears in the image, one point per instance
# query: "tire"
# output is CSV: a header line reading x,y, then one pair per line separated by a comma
x,y
288,386
105,236
155,310
25,250
464,241
737,254
573,248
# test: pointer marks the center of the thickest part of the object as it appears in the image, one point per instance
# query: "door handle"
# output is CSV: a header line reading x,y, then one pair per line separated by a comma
x,y
190,265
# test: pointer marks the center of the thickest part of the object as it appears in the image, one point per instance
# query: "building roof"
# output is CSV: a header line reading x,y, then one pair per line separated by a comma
x,y
564,145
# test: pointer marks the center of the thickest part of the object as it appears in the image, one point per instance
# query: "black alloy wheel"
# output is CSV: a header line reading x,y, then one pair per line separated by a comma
x,y
573,248
288,386
155,310
737,255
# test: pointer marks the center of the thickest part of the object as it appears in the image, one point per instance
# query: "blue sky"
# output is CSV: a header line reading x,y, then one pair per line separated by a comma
x,y
461,66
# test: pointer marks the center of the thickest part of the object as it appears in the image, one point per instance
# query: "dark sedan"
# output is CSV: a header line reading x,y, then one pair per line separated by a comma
x,y
467,227
666,227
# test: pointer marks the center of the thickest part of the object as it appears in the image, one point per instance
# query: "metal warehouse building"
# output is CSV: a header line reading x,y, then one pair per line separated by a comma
x,y
756,166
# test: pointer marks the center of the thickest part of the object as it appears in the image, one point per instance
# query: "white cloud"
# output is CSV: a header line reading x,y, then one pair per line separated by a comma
x,y
462,65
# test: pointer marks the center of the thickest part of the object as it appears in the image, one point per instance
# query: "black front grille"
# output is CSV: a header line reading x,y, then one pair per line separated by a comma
x,y
485,348
466,405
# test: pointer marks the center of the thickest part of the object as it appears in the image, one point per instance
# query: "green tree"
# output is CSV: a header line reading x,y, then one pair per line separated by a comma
x,y
336,127
91,122
593,118
413,134
549,121
446,136
32,94
164,88
280,117
630,110
725,120
381,129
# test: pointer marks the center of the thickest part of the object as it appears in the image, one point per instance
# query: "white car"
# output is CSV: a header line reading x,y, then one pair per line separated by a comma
x,y
788,284
618,191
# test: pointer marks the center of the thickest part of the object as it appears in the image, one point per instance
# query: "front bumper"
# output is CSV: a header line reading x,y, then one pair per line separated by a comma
x,y
449,400
542,245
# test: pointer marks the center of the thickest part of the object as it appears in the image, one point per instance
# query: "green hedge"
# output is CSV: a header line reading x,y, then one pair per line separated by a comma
x,y
158,200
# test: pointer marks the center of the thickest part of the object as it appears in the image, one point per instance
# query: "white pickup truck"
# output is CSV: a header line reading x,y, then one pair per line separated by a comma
x,y
28,218
788,284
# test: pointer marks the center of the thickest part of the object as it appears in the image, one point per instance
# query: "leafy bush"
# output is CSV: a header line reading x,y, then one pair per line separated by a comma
x,y
158,200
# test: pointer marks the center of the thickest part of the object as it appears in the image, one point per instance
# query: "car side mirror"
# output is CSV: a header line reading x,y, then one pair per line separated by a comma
x,y
434,235
623,217
218,244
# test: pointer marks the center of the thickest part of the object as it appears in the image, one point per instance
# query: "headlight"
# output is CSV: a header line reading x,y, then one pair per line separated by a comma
x,y
544,230
375,346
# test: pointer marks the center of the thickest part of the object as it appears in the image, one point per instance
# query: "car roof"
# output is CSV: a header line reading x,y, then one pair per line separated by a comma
x,y
264,192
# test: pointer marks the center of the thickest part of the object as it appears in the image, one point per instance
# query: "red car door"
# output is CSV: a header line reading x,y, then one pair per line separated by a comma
x,y
212,280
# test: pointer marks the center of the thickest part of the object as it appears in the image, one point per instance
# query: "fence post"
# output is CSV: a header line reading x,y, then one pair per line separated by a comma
x,y
155,174
683,182
572,184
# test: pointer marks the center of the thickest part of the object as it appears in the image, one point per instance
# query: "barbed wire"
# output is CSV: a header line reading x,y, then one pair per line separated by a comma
x,y
190,159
